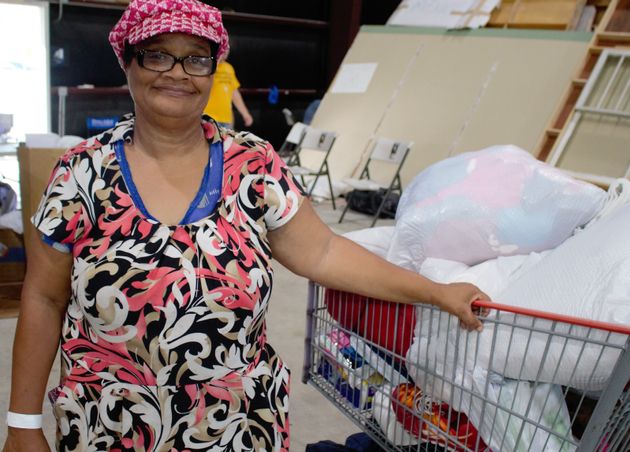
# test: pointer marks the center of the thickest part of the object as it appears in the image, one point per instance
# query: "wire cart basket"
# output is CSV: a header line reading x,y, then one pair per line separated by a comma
x,y
413,380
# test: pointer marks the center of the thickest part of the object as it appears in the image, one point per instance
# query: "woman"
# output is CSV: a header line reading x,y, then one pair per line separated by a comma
x,y
154,266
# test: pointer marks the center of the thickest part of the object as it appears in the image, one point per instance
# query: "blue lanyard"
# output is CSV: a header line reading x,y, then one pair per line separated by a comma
x,y
207,197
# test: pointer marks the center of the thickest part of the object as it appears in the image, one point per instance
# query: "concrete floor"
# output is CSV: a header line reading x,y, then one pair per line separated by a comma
x,y
313,418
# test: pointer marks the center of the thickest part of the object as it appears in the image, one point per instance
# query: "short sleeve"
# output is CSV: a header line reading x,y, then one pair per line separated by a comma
x,y
235,83
283,193
60,213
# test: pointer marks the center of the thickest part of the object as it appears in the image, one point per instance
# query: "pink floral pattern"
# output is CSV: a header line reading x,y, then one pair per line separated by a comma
x,y
163,344
144,19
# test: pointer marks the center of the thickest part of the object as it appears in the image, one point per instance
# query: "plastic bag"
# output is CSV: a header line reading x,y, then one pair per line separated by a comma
x,y
499,201
8,198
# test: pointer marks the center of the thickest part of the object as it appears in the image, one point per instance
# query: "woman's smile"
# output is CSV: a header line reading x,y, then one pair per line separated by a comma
x,y
175,90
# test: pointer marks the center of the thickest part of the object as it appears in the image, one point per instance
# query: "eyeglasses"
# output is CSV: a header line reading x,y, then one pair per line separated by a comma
x,y
194,65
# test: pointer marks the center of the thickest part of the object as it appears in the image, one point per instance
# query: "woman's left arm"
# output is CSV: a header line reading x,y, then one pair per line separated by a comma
x,y
307,247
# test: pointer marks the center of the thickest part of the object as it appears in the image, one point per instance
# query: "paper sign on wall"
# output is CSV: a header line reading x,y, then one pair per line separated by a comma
x,y
451,14
353,78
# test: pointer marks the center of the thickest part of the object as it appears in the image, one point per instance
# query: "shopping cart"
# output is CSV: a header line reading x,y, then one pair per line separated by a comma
x,y
413,380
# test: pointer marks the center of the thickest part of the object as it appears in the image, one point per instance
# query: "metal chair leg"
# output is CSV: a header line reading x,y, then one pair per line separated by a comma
x,y
380,207
310,191
345,209
378,212
332,194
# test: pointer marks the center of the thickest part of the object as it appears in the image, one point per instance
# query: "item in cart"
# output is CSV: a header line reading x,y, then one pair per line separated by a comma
x,y
510,414
358,391
334,341
584,277
353,359
375,239
434,422
393,371
346,369
499,201
389,325
383,416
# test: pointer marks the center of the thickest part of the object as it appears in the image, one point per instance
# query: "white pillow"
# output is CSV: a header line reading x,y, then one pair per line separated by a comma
x,y
377,240
588,277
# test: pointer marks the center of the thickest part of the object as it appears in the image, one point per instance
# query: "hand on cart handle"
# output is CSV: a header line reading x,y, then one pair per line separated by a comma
x,y
458,299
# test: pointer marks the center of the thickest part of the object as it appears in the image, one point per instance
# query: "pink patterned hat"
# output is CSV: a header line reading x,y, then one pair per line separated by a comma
x,y
146,18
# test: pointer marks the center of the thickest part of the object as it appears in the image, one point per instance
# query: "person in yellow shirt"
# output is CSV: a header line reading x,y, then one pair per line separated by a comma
x,y
224,93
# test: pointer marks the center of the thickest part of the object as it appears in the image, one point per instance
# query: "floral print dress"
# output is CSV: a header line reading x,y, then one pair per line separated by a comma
x,y
163,343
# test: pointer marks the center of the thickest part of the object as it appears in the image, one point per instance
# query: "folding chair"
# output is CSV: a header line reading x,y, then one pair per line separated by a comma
x,y
386,151
288,151
316,140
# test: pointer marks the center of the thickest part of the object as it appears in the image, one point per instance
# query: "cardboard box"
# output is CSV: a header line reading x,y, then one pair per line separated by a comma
x,y
36,165
12,257
10,293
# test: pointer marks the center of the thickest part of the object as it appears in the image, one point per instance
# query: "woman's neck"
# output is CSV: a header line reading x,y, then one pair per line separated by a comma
x,y
167,138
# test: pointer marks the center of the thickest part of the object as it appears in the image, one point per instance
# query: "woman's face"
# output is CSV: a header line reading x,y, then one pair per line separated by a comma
x,y
172,94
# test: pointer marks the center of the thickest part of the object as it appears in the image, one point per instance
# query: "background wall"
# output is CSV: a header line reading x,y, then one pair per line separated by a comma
x,y
449,92
296,46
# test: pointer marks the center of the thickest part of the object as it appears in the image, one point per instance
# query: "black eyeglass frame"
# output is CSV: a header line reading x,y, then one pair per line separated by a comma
x,y
139,54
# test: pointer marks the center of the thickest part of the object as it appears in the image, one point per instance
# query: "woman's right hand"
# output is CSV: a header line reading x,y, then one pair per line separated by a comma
x,y
26,440
457,299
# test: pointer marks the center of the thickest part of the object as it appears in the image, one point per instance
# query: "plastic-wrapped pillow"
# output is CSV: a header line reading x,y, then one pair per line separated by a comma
x,y
377,240
585,277
499,201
